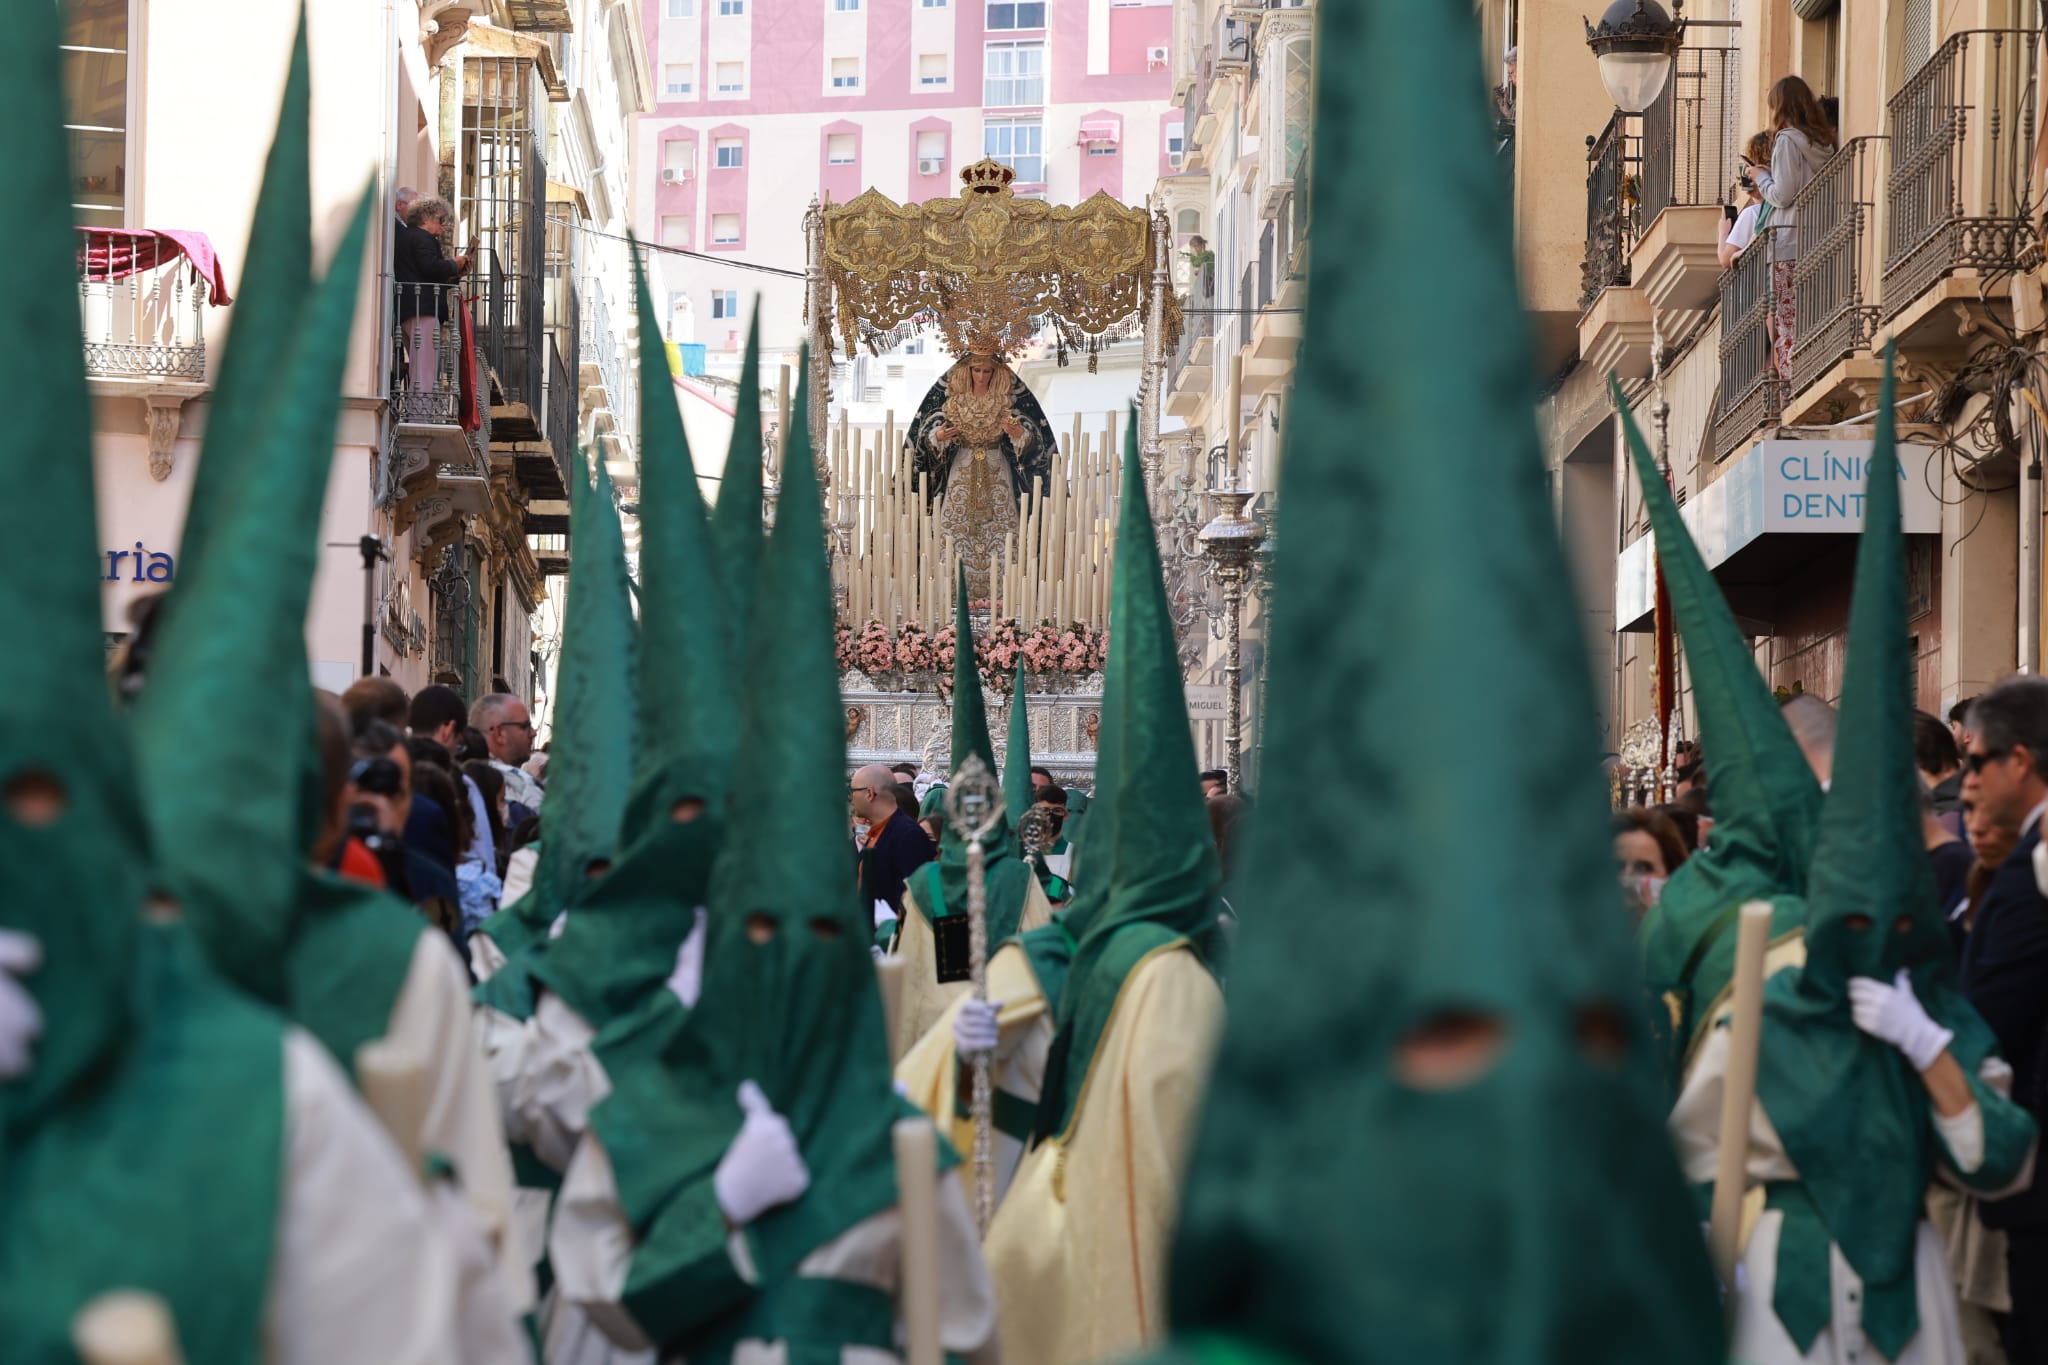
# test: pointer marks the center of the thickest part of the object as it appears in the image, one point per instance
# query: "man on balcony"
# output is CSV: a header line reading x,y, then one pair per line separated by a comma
x,y
425,278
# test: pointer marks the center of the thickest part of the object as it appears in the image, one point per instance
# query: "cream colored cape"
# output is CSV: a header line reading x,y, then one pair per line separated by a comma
x,y
1079,1249
368,1265
924,999
450,1110
929,1072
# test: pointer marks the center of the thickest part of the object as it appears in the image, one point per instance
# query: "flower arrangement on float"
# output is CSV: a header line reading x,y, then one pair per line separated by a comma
x,y
909,658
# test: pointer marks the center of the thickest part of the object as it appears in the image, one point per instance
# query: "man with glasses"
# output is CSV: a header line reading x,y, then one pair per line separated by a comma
x,y
508,731
894,847
2005,966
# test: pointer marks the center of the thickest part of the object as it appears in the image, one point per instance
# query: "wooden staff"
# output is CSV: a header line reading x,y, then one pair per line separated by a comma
x,y
917,1200
889,976
126,1327
1738,1089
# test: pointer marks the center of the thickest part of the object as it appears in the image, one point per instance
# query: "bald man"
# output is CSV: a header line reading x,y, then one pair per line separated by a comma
x,y
894,846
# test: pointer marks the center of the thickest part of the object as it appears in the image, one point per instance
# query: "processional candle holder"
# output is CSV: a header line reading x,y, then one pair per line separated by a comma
x,y
974,806
1231,544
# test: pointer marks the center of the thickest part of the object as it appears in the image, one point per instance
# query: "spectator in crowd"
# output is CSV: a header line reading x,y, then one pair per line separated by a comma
x,y
1813,728
1647,850
471,748
1215,783
1684,819
1951,856
507,729
438,713
1802,139
1959,723
1940,765
1041,778
2005,968
424,276
1991,843
435,835
906,775
490,784
1226,812
369,699
893,847
1738,220
933,823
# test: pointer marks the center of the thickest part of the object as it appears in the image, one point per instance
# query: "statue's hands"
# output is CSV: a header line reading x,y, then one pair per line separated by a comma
x,y
944,433
1014,429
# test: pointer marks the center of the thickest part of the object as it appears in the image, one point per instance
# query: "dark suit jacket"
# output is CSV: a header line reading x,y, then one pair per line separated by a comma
x,y
903,848
2005,975
416,259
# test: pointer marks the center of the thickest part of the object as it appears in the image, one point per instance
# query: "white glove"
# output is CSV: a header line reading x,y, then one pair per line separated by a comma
x,y
762,1168
21,1022
686,982
561,923
974,1027
1892,1014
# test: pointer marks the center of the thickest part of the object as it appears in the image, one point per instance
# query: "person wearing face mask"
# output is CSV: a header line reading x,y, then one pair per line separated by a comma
x,y
735,1197
1876,1076
1647,850
891,846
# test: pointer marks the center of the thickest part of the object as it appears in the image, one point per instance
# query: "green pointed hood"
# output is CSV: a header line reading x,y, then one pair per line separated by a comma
x,y
622,941
736,519
1152,861
76,883
591,741
1853,1116
688,729
1424,631
1765,799
1017,756
799,1014
231,641
945,879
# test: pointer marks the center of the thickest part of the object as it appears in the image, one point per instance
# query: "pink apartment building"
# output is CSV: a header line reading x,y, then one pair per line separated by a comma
x,y
763,105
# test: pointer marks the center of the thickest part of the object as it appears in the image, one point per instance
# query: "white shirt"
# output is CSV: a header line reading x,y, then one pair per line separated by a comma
x,y
1744,231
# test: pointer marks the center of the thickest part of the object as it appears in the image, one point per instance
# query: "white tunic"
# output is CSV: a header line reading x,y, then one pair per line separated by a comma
x,y
1758,1337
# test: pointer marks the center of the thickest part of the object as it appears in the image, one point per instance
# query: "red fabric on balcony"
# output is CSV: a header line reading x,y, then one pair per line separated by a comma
x,y
117,253
465,382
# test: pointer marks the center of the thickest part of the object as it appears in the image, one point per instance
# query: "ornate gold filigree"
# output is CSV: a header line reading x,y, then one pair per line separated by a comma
x,y
992,270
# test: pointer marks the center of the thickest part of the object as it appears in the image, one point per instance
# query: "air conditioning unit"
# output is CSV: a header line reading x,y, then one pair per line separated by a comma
x,y
1155,57
931,165
674,175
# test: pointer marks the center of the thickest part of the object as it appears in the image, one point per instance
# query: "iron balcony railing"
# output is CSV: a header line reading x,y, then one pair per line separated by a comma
x,y
1197,323
1613,178
487,311
426,354
1831,301
1197,99
139,323
1752,392
1961,131
1689,136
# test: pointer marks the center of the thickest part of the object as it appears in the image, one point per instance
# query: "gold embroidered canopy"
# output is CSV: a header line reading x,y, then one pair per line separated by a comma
x,y
991,270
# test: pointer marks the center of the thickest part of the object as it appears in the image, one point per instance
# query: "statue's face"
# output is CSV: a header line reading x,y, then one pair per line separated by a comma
x,y
983,373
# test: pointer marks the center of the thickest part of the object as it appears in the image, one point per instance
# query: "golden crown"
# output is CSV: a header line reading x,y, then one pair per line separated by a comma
x,y
987,176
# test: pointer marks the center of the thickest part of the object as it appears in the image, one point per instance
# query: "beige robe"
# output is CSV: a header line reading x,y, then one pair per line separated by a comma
x,y
929,1073
367,1264
450,1110
924,998
1079,1248
591,1249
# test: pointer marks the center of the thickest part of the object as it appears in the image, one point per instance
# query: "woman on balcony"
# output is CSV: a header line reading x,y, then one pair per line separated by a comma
x,y
424,277
1802,139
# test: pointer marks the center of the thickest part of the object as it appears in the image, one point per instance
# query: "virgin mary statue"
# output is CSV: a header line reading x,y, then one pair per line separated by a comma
x,y
979,441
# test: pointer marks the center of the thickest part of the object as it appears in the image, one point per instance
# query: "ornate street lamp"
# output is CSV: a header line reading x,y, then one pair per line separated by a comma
x,y
1636,42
